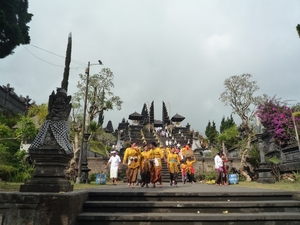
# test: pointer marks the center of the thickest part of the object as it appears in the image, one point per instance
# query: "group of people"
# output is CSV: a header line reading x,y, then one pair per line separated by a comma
x,y
221,169
147,162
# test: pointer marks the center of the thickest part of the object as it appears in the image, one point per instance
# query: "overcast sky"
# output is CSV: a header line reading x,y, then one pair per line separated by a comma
x,y
179,52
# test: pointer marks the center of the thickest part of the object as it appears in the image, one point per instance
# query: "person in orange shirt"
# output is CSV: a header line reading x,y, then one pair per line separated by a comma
x,y
184,169
191,171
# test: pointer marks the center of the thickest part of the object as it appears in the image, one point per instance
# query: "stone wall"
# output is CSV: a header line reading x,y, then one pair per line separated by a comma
x,y
203,165
96,164
41,208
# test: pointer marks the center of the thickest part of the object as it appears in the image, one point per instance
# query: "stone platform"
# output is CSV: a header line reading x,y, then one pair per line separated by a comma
x,y
109,204
196,204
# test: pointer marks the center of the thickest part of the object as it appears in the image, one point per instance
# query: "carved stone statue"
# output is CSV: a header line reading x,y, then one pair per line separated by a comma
x,y
51,150
56,128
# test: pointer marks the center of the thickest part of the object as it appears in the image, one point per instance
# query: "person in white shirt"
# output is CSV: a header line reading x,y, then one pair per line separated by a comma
x,y
219,168
114,163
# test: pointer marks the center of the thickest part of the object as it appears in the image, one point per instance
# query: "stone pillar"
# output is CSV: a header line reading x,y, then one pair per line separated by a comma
x,y
264,170
84,163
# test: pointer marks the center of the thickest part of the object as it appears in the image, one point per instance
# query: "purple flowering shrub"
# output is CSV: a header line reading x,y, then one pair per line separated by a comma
x,y
276,118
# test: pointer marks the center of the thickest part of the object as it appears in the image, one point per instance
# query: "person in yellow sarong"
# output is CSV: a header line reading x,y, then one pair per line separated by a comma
x,y
155,158
190,169
167,151
145,167
173,162
132,159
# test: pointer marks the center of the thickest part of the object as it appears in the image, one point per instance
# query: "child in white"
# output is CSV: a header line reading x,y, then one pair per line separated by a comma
x,y
114,162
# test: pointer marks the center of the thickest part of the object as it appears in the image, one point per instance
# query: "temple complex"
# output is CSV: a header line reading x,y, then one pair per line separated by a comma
x,y
145,128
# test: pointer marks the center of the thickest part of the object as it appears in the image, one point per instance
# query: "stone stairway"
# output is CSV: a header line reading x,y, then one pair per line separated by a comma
x,y
178,207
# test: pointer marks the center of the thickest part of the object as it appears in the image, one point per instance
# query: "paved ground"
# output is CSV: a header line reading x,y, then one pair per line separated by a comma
x,y
198,187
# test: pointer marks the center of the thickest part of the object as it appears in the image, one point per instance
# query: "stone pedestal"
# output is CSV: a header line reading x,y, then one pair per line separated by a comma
x,y
264,174
49,175
50,162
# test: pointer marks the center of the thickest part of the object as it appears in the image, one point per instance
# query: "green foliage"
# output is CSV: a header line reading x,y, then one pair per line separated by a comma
x,y
6,168
211,132
6,172
106,138
253,156
100,96
226,124
297,176
296,107
7,137
9,119
199,176
13,22
229,136
24,168
274,160
92,177
14,167
38,111
12,164
5,131
93,126
101,141
26,129
4,155
97,147
210,175
242,178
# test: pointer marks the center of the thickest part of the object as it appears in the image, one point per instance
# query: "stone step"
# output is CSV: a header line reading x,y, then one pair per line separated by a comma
x,y
193,206
139,206
274,218
189,196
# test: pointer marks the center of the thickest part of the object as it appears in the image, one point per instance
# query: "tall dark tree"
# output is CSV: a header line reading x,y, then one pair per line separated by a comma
x,y
152,113
222,124
65,81
13,25
211,132
226,124
298,29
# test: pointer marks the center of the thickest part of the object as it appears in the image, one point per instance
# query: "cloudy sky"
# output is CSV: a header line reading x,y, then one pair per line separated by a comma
x,y
175,51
